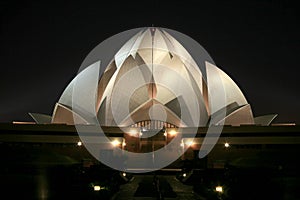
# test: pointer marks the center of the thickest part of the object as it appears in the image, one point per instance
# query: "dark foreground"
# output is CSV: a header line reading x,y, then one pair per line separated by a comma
x,y
45,162
98,182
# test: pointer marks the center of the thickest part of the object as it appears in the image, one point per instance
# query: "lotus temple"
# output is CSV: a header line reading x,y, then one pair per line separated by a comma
x,y
154,73
150,100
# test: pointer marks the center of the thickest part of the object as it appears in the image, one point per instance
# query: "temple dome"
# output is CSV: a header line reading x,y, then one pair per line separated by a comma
x,y
142,80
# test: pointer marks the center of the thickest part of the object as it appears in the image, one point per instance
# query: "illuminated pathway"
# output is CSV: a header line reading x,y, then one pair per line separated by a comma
x,y
142,188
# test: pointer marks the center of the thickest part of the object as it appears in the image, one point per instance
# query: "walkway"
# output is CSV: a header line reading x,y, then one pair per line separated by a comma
x,y
142,187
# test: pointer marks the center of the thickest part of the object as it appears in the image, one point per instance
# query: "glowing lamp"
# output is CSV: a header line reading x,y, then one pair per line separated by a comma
x,y
115,143
219,189
97,188
172,132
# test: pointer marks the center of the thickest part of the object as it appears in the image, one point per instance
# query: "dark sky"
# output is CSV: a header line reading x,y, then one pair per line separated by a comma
x,y
43,44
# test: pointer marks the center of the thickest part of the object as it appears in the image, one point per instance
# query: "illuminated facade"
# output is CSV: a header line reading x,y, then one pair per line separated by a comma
x,y
143,75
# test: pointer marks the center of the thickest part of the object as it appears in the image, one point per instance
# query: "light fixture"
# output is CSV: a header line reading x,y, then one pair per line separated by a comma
x,y
189,142
134,132
226,144
79,143
184,174
115,143
219,189
124,174
172,132
97,188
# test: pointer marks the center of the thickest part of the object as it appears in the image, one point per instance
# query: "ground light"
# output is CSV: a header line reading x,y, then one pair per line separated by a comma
x,y
97,188
219,189
79,143
226,145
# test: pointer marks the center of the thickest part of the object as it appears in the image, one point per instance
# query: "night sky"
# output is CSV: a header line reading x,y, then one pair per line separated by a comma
x,y
43,45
